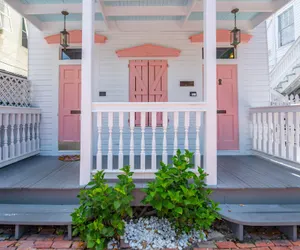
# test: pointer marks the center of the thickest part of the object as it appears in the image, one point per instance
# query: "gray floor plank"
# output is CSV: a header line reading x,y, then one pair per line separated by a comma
x,y
233,172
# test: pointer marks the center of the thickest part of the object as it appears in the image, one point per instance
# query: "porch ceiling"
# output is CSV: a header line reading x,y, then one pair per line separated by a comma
x,y
173,15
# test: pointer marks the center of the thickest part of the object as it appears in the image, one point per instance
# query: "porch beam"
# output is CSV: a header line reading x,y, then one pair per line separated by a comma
x,y
210,91
88,31
196,26
193,5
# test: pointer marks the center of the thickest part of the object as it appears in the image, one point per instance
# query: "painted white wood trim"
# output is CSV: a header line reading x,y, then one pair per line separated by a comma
x,y
88,16
210,91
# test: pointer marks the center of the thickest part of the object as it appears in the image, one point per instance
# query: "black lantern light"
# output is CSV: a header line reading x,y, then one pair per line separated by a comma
x,y
64,35
235,34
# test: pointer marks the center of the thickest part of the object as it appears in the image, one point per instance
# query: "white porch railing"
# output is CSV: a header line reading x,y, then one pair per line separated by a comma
x,y
19,130
276,131
284,100
121,141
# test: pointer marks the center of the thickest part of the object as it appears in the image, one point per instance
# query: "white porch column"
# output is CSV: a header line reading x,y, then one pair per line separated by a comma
x,y
210,91
86,157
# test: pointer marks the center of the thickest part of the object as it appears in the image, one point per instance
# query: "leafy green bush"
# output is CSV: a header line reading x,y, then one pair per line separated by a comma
x,y
102,209
181,196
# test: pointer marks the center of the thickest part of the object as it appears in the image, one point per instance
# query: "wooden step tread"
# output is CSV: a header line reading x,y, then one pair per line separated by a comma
x,y
286,217
23,214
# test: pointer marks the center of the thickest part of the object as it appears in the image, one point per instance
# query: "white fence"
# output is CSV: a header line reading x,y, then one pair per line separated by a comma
x,y
276,131
14,91
20,134
153,130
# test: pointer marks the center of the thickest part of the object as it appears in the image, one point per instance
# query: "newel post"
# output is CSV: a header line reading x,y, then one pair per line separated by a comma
x,y
210,90
88,16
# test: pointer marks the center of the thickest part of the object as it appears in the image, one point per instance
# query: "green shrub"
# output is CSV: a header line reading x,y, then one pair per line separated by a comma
x,y
181,196
102,209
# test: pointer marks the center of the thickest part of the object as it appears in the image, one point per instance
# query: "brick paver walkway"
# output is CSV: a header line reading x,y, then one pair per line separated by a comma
x,y
59,243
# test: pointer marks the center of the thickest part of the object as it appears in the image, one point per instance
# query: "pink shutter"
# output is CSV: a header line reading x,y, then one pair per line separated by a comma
x,y
138,84
158,84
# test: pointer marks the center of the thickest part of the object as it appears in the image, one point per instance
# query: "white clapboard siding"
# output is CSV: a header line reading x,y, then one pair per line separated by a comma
x,y
111,74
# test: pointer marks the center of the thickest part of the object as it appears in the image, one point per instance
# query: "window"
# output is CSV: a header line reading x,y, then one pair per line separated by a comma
x,y
224,53
24,34
286,27
71,54
5,19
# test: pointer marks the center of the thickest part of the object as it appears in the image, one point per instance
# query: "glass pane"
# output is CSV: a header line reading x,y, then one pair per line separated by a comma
x,y
71,54
223,53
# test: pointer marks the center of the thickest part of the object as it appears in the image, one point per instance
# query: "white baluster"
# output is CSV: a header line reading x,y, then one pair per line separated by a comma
x,y
131,153
110,129
29,134
38,121
297,136
290,134
176,125
297,99
153,154
255,131
24,134
276,134
121,126
265,133
143,124
270,132
260,131
186,129
5,138
282,134
197,153
18,126
33,141
165,127
12,148
99,142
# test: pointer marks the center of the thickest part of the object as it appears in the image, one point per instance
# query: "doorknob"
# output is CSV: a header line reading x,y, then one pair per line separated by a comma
x,y
220,81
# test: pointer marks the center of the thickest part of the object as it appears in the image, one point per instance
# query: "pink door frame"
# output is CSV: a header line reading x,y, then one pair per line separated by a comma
x,y
227,101
148,82
69,99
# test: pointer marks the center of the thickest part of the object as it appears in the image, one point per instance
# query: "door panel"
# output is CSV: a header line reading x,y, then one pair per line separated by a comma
x,y
228,135
69,99
148,83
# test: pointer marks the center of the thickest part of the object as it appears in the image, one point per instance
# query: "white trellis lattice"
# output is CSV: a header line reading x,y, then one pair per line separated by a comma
x,y
14,91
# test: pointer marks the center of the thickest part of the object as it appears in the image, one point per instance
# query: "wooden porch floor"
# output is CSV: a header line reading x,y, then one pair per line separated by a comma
x,y
234,172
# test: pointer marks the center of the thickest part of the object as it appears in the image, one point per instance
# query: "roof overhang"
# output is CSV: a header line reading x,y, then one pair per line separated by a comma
x,y
183,15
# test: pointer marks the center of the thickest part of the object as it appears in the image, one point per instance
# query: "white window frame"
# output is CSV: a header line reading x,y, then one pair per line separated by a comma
x,y
291,25
5,13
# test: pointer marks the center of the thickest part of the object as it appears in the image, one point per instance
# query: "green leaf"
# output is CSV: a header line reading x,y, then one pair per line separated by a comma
x,y
117,204
178,210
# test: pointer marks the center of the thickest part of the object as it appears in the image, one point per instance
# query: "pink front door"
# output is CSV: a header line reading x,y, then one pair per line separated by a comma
x,y
148,83
69,103
228,127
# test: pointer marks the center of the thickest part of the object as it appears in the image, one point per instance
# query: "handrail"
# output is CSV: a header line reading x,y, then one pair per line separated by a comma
x,y
286,62
148,106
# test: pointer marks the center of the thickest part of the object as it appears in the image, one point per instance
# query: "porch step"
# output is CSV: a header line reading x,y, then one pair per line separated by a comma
x,y
286,217
22,215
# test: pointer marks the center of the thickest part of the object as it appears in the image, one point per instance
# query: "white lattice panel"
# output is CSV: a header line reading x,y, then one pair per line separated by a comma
x,y
14,91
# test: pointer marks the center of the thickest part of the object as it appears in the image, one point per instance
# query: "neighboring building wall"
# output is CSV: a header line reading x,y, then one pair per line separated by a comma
x,y
112,76
275,50
13,56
